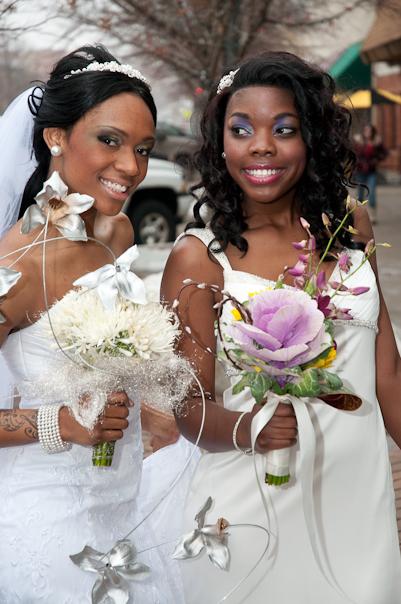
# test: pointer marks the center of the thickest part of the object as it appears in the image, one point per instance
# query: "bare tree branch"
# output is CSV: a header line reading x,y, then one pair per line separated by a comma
x,y
197,38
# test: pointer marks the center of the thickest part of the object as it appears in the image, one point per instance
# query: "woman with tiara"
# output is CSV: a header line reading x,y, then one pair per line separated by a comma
x,y
91,129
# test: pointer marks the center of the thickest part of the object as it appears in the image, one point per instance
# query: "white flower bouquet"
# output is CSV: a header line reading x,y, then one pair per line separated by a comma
x,y
110,338
130,344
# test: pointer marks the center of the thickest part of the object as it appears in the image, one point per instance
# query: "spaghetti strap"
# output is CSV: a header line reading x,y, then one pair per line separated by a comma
x,y
206,235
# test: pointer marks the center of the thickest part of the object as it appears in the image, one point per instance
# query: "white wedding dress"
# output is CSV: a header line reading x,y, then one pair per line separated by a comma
x,y
354,511
51,506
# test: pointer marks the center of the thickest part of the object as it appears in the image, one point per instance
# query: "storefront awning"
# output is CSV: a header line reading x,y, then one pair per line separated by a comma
x,y
349,71
383,42
364,99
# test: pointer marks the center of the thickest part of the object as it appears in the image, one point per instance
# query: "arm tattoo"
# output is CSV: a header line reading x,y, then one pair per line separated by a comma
x,y
26,420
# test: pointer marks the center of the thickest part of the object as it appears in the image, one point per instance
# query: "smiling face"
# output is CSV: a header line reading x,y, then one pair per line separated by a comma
x,y
265,152
105,154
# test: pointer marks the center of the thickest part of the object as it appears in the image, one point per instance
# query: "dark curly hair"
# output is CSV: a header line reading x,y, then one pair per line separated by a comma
x,y
62,101
325,129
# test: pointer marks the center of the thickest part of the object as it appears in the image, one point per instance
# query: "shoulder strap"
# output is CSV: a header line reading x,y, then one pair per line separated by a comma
x,y
206,235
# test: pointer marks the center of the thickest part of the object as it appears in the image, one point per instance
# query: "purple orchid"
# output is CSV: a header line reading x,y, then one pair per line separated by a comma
x,y
344,262
323,304
357,291
300,245
297,270
338,287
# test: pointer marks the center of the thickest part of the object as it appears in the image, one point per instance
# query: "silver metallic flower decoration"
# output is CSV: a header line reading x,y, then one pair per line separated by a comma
x,y
62,209
115,569
212,537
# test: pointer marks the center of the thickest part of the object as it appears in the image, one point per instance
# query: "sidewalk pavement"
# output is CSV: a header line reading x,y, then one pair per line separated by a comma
x,y
388,229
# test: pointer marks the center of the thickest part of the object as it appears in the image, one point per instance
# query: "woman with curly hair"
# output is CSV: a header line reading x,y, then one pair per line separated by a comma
x,y
276,148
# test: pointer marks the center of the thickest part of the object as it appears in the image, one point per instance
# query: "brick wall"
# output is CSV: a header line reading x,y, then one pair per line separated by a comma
x,y
388,122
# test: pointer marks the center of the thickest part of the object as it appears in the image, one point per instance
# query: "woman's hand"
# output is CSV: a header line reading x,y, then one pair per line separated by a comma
x,y
280,432
109,427
162,427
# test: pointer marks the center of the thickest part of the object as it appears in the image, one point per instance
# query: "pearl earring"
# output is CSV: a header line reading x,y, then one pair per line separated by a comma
x,y
223,155
56,150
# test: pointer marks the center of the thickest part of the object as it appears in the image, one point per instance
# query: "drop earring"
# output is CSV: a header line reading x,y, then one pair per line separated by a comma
x,y
223,155
55,150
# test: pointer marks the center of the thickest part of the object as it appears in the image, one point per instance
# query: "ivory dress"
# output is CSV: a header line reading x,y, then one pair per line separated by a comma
x,y
354,512
51,506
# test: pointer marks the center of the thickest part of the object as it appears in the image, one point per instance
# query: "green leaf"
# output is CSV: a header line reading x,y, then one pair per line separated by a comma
x,y
310,289
243,383
329,326
330,380
260,384
308,385
321,356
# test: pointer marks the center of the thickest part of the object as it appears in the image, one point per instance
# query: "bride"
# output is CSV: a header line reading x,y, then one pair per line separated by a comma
x,y
93,123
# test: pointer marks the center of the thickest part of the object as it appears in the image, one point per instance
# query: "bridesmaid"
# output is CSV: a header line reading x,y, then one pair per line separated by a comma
x,y
276,147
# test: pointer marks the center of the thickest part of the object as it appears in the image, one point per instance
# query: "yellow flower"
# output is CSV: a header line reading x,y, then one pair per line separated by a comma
x,y
236,314
260,291
327,361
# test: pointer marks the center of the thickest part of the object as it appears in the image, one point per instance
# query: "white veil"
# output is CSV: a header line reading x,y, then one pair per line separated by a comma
x,y
17,163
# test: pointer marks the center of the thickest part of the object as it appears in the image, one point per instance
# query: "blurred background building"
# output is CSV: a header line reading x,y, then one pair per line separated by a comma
x,y
369,71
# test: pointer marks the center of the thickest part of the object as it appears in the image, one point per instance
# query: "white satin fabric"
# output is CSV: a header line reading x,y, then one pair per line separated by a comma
x,y
51,506
353,498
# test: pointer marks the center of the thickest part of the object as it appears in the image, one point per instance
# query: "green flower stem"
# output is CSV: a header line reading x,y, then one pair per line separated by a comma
x,y
330,242
276,481
102,454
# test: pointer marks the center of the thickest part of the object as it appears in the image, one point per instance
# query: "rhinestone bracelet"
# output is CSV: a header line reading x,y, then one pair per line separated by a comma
x,y
235,429
49,431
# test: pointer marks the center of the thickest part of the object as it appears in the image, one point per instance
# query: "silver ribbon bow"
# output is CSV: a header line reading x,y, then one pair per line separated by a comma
x,y
116,279
211,537
114,568
8,278
61,209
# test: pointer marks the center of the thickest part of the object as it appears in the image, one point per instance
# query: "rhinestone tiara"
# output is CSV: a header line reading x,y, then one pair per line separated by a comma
x,y
226,81
113,67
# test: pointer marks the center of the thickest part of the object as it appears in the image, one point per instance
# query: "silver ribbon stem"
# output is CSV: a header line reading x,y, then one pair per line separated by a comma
x,y
307,446
82,559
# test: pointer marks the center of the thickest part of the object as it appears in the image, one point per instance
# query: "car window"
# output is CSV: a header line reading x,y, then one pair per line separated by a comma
x,y
170,129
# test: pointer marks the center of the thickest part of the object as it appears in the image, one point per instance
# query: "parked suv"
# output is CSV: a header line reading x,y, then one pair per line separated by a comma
x,y
159,203
174,144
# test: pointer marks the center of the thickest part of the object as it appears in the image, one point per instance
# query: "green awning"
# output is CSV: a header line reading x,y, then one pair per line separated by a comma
x,y
349,72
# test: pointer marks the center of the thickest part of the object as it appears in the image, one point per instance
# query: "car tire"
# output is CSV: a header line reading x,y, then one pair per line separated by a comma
x,y
153,222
